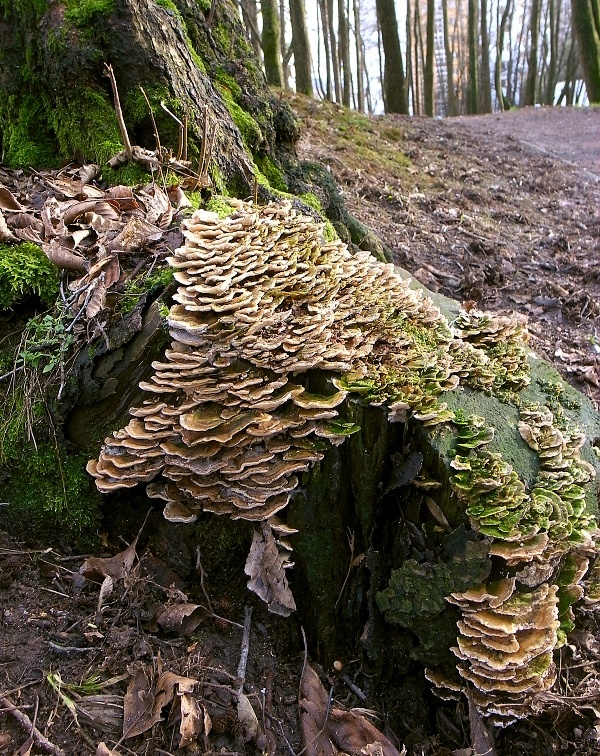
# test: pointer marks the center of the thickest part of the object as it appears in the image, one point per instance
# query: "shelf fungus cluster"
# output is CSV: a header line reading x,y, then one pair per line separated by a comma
x,y
505,647
236,411
509,630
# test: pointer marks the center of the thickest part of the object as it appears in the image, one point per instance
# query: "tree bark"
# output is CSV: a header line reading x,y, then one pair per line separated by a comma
x,y
473,79
485,78
271,42
429,59
301,47
532,59
394,83
586,25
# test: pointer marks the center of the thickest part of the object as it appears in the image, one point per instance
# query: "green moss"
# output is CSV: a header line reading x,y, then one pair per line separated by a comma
x,y
218,205
130,174
26,138
248,126
25,269
417,592
271,171
82,12
86,122
63,503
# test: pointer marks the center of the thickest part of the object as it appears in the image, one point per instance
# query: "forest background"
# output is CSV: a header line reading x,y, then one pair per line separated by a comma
x,y
430,57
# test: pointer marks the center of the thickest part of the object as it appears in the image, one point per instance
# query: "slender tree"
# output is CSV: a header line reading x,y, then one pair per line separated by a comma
x,y
429,59
394,83
271,42
449,55
324,14
586,25
344,51
532,58
360,91
250,18
485,78
503,102
472,81
301,47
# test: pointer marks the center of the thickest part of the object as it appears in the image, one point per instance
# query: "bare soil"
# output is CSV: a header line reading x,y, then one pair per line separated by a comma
x,y
499,209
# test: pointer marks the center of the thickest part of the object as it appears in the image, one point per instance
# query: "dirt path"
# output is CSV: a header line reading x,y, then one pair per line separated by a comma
x,y
569,134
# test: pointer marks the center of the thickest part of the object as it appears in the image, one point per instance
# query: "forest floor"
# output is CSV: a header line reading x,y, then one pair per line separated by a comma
x,y
501,210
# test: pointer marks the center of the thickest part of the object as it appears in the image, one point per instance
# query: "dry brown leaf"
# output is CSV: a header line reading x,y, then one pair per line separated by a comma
x,y
138,705
265,568
5,233
88,173
103,750
158,206
344,731
29,234
77,209
68,188
182,618
482,740
105,591
116,567
143,706
178,197
192,720
247,718
52,218
62,257
8,201
97,300
136,234
24,220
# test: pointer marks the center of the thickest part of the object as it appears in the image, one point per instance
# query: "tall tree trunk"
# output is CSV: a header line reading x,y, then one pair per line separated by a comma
x,y
429,59
344,51
485,77
324,12
410,83
360,92
532,59
553,33
285,63
586,25
503,102
335,63
301,46
449,55
473,78
394,83
419,58
271,42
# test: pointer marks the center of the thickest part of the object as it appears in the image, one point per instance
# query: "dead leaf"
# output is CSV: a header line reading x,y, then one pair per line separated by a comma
x,y
5,233
52,218
178,197
158,206
29,234
24,220
143,707
62,257
136,234
482,740
78,209
138,705
192,720
97,300
8,201
103,750
247,718
182,618
337,730
265,568
105,591
88,172
116,567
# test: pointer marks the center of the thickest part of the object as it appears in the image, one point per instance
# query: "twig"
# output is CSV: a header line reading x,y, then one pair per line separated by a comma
x,y
351,544
119,112
241,670
202,160
255,191
354,688
70,649
41,742
156,135
211,14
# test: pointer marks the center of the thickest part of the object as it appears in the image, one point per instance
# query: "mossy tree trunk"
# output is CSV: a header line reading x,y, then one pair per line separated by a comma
x,y
56,103
586,25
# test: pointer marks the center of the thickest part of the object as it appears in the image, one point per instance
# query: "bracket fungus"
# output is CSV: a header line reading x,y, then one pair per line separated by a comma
x,y
272,329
